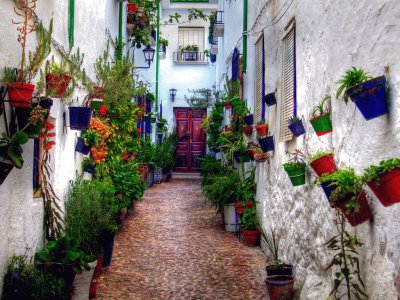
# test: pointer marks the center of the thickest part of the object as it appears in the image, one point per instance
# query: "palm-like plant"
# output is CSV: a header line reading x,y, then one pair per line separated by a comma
x,y
321,109
351,78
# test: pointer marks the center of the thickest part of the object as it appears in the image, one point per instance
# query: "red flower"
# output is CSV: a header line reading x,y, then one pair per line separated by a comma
x,y
139,130
53,134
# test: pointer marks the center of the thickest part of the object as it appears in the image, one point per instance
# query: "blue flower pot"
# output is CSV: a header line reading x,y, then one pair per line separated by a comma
x,y
79,117
81,147
89,169
267,143
328,189
269,99
297,128
370,97
249,120
240,157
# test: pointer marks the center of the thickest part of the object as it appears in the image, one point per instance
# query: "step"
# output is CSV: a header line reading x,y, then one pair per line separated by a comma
x,y
183,175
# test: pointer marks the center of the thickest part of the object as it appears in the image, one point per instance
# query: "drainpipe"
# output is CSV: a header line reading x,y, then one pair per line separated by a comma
x,y
71,24
118,52
244,54
157,52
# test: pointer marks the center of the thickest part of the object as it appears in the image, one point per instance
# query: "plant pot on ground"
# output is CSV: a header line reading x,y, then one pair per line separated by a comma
x,y
280,287
321,119
323,163
249,223
369,94
384,181
296,126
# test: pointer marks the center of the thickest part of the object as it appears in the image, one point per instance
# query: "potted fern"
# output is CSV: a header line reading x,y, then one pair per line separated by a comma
x,y
321,119
369,94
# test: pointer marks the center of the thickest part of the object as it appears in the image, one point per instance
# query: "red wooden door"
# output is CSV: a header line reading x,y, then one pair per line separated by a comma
x,y
191,138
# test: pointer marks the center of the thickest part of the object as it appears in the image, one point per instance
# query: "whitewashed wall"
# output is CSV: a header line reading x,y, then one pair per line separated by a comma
x,y
331,37
21,216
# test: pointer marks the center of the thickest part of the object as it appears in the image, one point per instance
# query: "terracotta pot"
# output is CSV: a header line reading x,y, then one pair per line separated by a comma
x,y
280,287
324,165
362,215
251,237
261,157
248,130
20,94
57,84
387,188
262,130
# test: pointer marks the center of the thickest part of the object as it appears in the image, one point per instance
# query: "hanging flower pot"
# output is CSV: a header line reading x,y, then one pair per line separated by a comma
x,y
296,172
280,287
131,8
102,111
248,130
297,128
139,11
57,84
6,167
219,106
251,153
249,120
227,105
262,130
328,189
387,187
370,97
23,115
241,157
79,117
267,143
324,165
251,237
269,99
322,124
46,103
261,157
355,217
20,94
81,147
89,169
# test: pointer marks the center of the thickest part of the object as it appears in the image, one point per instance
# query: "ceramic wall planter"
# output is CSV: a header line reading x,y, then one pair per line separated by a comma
x,y
328,189
280,287
324,165
23,115
356,217
370,97
248,130
57,84
249,120
6,167
251,237
241,157
81,147
269,99
297,128
98,92
79,117
261,157
267,143
131,8
262,130
322,124
387,188
297,174
20,94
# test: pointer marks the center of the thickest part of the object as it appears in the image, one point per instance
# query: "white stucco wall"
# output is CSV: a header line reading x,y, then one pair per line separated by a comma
x,y
331,37
21,216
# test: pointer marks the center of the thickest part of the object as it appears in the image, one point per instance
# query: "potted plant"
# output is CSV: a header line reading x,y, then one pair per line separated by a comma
x,y
80,116
321,119
249,223
267,143
163,44
296,168
131,6
85,143
248,130
262,128
323,163
269,99
239,106
260,156
189,52
369,94
296,126
384,181
348,195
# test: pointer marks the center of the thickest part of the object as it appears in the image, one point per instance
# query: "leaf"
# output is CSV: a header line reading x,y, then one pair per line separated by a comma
x,y
15,155
20,137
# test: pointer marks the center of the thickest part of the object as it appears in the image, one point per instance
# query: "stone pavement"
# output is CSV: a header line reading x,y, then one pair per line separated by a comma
x,y
174,247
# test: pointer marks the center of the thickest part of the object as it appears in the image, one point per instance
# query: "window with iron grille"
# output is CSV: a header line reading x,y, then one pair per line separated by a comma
x,y
259,79
235,64
288,98
189,36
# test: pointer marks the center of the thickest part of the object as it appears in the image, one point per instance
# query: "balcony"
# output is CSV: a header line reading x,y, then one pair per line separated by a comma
x,y
190,57
219,24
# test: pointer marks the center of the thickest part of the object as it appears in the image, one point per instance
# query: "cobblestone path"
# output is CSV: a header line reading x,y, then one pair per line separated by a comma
x,y
174,247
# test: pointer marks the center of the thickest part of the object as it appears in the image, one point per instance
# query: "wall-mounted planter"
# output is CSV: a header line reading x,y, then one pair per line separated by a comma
x,y
57,84
280,287
356,217
20,94
6,167
98,92
387,188
324,165
89,169
261,157
328,189
219,106
262,130
370,97
297,128
251,237
79,117
81,147
249,120
269,99
267,143
322,124
46,103
248,130
297,174
23,115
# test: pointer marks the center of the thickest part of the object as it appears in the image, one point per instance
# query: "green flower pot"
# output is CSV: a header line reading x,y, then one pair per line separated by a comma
x,y
297,174
322,124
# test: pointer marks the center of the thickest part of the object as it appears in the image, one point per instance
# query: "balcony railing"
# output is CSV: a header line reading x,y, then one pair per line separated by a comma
x,y
219,17
219,24
190,57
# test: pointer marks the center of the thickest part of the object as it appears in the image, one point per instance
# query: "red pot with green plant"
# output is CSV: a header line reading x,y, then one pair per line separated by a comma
x,y
20,94
57,84
355,208
323,163
262,128
384,181
249,223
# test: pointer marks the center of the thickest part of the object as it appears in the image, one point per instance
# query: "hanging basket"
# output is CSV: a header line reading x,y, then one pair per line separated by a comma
x,y
297,128
324,165
57,84
297,174
79,117
249,120
267,143
370,97
219,106
20,94
81,147
387,187
356,217
322,124
269,99
23,115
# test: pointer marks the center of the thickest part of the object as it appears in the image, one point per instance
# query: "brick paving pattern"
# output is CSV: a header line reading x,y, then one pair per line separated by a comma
x,y
174,247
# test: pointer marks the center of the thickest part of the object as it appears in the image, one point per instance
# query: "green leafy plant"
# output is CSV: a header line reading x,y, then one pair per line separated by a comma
x,y
163,41
90,138
373,173
261,122
9,75
318,155
200,98
272,242
321,108
231,89
248,220
293,120
351,78
347,274
10,147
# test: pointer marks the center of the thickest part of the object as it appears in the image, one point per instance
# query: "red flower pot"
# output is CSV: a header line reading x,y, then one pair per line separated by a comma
x,y
20,94
248,130
261,157
95,278
262,130
251,237
58,84
387,188
356,217
131,8
324,165
280,287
